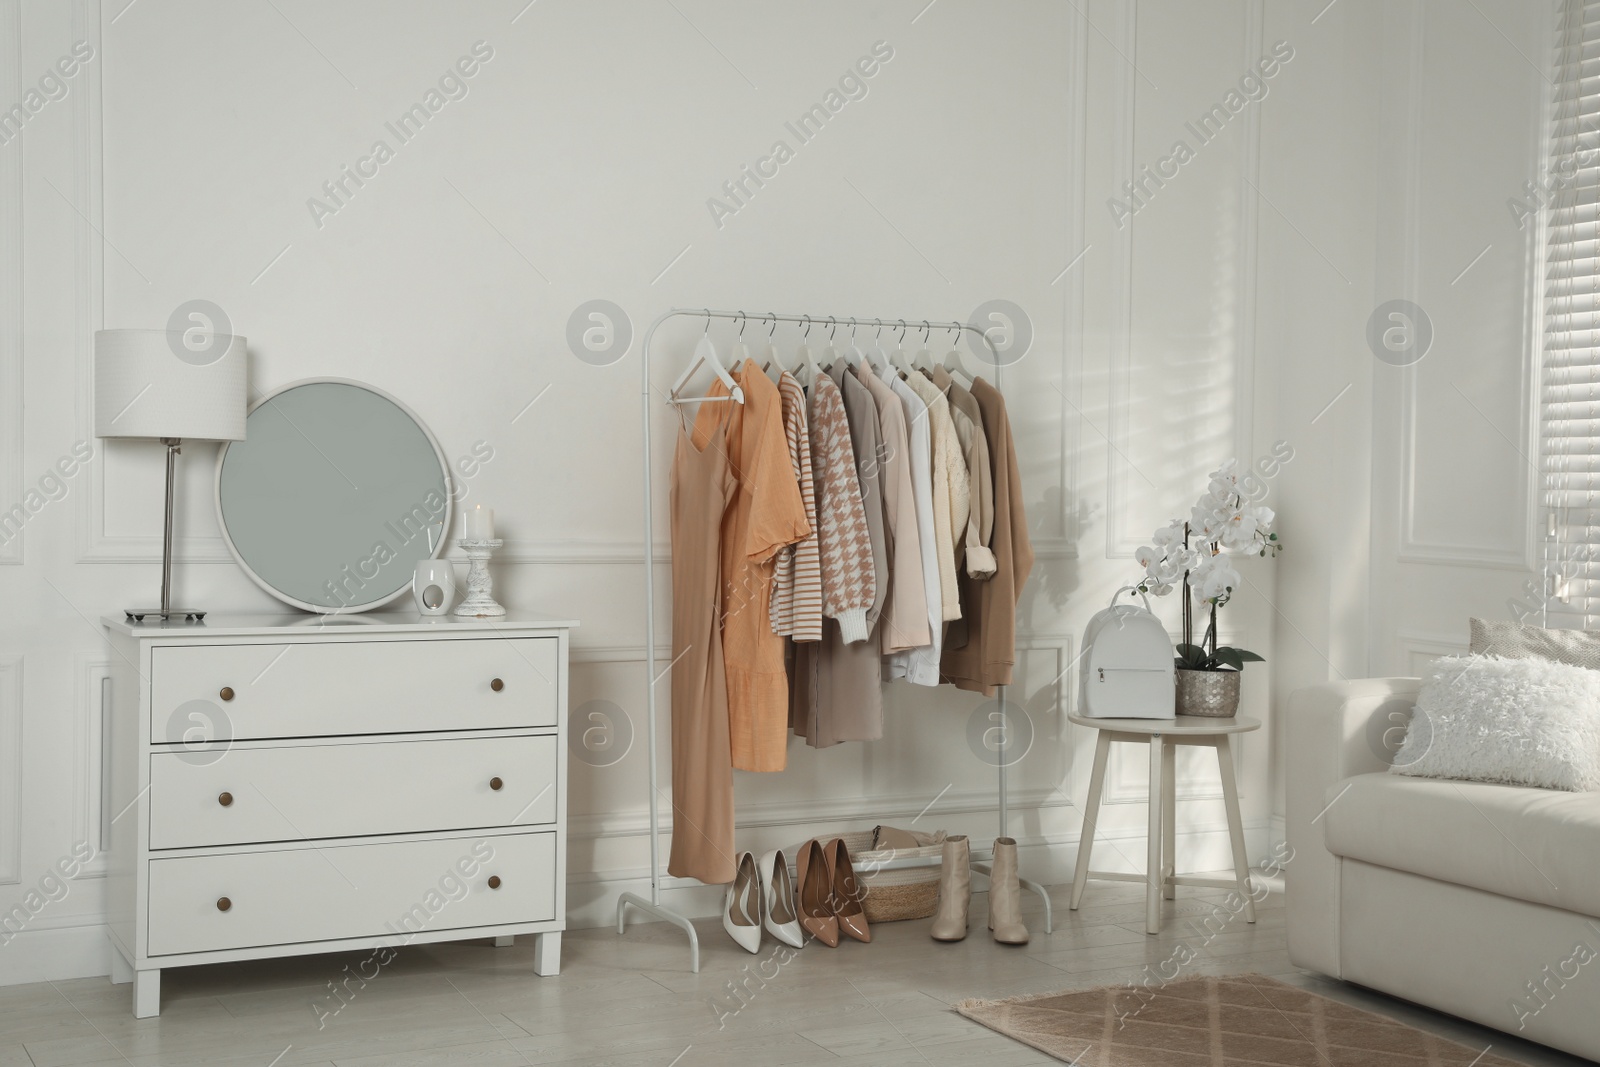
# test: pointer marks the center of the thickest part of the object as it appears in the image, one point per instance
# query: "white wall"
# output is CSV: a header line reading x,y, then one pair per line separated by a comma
x,y
980,165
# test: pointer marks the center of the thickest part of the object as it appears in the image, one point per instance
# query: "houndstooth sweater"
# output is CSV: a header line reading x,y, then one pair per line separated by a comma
x,y
849,585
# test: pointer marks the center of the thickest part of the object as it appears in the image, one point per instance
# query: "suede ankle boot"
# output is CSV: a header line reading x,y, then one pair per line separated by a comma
x,y
1005,895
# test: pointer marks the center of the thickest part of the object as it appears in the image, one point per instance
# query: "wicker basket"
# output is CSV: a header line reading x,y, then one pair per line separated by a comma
x,y
889,896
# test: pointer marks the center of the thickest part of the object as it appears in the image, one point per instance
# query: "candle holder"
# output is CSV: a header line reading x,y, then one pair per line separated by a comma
x,y
480,585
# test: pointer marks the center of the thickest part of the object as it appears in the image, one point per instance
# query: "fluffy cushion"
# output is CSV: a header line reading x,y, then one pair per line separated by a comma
x,y
1528,722
1516,641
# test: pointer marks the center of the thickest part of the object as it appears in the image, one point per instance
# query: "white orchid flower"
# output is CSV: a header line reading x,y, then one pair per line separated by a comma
x,y
1171,534
1218,578
1228,474
1240,530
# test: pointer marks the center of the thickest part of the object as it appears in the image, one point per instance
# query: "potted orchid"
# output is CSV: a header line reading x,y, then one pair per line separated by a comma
x,y
1196,554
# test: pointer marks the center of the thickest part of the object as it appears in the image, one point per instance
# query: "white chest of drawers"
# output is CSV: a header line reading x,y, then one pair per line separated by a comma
x,y
283,785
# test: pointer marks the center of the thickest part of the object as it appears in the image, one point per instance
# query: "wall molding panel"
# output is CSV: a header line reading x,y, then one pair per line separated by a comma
x,y
1519,554
1120,320
1124,534
89,813
1073,301
11,273
1421,648
10,769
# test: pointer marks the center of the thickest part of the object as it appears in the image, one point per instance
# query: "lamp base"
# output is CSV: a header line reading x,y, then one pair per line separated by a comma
x,y
188,614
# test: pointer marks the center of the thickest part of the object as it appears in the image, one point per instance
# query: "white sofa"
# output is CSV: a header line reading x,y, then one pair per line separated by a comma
x,y
1474,899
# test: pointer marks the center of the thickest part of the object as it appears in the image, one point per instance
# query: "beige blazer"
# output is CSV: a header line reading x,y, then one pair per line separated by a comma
x,y
951,492
904,623
979,558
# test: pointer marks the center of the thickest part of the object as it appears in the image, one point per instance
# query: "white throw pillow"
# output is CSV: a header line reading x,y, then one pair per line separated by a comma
x,y
1528,722
1516,640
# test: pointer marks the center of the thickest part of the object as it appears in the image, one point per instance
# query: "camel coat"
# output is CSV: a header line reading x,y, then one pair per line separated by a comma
x,y
990,606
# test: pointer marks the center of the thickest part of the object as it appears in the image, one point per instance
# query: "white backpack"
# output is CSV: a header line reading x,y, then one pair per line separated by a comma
x,y
1127,665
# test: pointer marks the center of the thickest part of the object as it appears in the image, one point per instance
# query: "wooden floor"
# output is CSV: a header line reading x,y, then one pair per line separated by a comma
x,y
631,1000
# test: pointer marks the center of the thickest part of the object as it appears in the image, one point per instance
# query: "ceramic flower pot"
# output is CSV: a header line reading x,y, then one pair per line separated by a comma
x,y
1210,693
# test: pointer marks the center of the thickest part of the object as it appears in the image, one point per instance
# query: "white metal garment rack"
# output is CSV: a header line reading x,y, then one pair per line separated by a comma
x,y
982,859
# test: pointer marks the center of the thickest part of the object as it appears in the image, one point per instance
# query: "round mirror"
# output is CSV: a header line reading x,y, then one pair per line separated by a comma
x,y
334,495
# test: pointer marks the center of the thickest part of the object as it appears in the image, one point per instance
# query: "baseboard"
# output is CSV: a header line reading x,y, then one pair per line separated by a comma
x,y
55,954
63,952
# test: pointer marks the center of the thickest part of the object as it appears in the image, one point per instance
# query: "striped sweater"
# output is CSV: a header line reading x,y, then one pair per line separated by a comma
x,y
796,608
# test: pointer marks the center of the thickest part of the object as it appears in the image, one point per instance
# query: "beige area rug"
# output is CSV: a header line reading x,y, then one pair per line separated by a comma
x,y
1245,1020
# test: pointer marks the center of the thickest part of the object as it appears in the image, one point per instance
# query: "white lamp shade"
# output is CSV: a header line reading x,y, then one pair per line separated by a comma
x,y
155,383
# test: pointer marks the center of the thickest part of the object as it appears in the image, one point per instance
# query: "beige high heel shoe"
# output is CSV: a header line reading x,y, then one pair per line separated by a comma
x,y
816,914
778,900
955,890
847,894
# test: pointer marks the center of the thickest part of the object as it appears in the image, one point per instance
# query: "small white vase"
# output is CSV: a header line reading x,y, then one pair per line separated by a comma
x,y
434,587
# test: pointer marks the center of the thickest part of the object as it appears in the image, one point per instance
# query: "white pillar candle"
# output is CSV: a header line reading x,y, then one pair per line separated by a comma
x,y
480,523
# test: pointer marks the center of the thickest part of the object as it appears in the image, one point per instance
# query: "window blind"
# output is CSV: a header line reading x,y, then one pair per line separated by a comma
x,y
1569,419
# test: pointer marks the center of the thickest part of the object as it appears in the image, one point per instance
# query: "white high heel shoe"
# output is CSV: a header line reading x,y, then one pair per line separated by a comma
x,y
778,912
741,909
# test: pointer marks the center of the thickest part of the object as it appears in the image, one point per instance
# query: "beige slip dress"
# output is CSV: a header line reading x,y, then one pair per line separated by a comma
x,y
703,484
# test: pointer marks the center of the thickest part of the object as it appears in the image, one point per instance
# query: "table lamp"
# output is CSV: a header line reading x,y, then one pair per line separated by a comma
x,y
168,386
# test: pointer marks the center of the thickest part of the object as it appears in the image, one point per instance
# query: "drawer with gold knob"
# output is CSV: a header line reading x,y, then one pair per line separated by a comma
x,y
352,789
390,889
217,694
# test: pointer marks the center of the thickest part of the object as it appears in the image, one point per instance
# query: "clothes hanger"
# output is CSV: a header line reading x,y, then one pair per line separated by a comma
x,y
774,362
897,361
806,359
924,360
705,352
876,355
830,354
952,361
853,355
739,352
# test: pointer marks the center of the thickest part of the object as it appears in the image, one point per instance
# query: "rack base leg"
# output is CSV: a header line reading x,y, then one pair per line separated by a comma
x,y
627,900
1032,887
1044,895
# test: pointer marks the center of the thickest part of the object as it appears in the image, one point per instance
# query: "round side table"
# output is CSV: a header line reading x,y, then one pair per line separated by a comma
x,y
1164,736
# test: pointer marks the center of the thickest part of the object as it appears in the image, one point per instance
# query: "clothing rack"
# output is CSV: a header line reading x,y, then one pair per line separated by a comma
x,y
982,859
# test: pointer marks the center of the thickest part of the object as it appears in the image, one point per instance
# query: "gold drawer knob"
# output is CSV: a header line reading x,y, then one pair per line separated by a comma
x,y
497,685
223,903
227,693
494,881
225,799
495,784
